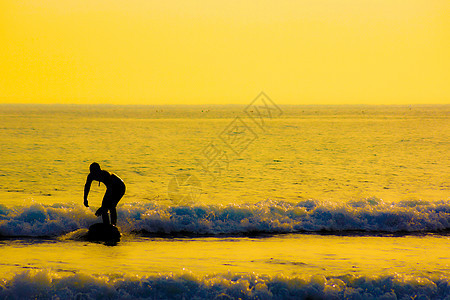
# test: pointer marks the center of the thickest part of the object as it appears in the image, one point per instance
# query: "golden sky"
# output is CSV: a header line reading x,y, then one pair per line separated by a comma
x,y
225,52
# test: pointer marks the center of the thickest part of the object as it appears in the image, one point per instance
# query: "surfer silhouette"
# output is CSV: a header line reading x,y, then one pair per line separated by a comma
x,y
115,189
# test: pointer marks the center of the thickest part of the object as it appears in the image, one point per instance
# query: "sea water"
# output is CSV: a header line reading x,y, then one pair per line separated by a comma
x,y
226,202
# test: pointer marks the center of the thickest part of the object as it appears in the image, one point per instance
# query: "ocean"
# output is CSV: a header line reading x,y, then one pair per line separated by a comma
x,y
227,202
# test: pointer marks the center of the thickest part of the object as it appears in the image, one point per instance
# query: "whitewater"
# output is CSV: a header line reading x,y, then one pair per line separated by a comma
x,y
44,284
369,216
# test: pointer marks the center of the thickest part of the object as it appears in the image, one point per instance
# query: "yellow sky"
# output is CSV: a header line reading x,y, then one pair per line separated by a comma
x,y
225,52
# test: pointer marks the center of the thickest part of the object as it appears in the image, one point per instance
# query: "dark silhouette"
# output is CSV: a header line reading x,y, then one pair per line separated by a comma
x,y
115,189
101,232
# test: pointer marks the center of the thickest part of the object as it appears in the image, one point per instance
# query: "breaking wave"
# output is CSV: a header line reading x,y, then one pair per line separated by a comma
x,y
44,284
368,216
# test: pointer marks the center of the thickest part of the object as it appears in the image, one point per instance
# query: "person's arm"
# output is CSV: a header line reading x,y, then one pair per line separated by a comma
x,y
87,187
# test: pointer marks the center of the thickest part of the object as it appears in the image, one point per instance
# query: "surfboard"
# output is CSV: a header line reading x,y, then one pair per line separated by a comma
x,y
104,233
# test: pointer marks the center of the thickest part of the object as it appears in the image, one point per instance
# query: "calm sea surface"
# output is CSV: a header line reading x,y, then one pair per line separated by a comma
x,y
290,202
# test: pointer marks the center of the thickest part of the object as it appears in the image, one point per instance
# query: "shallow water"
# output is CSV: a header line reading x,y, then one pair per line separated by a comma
x,y
303,265
290,255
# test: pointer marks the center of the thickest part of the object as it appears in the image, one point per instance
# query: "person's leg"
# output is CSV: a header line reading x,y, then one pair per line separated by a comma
x,y
113,216
105,217
106,204
118,194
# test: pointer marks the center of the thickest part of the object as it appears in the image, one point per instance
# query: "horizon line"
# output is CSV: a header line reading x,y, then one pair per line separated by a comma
x,y
196,105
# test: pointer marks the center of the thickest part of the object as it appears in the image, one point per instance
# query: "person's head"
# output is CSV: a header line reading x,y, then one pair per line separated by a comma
x,y
94,168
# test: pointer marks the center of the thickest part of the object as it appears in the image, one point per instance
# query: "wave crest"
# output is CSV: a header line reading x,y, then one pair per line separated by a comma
x,y
369,215
33,284
268,217
40,220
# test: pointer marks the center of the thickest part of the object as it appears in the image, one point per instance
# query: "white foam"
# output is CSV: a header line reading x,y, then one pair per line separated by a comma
x,y
369,216
46,284
40,220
